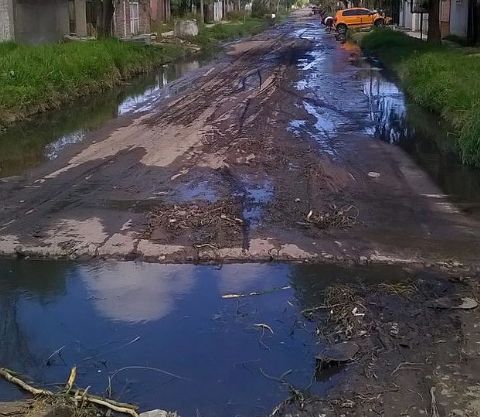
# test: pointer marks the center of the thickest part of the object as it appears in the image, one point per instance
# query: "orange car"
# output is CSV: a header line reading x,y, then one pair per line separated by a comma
x,y
357,18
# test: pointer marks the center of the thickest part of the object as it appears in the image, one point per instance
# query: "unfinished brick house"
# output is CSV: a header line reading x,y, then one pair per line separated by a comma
x,y
35,21
131,18
160,10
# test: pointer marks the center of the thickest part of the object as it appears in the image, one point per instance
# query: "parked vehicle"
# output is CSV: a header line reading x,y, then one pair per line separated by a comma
x,y
357,17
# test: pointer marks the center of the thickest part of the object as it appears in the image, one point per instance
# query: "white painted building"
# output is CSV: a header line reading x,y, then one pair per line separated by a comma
x,y
453,18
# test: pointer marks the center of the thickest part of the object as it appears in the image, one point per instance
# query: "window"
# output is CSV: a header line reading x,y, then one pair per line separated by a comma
x,y
134,17
91,12
349,12
363,12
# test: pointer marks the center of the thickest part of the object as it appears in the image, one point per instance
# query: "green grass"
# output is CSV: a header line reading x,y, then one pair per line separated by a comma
x,y
442,79
37,78
210,37
43,77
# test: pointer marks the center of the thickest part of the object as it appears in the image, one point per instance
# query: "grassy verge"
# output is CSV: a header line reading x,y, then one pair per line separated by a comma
x,y
37,78
209,38
444,80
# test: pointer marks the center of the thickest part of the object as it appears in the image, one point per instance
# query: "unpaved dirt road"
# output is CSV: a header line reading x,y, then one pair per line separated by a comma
x,y
267,156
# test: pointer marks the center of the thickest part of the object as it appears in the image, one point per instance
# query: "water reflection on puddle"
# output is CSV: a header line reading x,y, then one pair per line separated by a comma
x,y
423,135
349,95
195,190
257,196
171,317
29,143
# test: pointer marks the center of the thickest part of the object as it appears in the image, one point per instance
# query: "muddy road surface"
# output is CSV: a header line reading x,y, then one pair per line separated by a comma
x,y
268,155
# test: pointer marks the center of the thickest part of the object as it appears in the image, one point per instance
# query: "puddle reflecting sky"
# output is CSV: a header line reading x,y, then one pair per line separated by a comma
x,y
349,95
171,317
105,317
27,144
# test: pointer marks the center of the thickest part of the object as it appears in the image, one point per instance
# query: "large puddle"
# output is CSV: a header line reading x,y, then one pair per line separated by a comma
x,y
423,135
335,76
168,336
43,137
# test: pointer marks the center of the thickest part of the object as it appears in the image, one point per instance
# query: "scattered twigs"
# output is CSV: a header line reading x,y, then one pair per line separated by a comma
x,y
58,353
255,293
71,380
174,218
335,217
346,309
296,396
119,407
136,339
404,289
148,368
434,409
280,379
407,366
264,327
311,310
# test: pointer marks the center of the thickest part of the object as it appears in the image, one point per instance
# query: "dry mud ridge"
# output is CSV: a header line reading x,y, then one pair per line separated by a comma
x,y
242,166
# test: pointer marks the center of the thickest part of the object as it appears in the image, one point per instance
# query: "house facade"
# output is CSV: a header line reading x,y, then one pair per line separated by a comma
x,y
131,18
30,21
455,16
160,10
34,21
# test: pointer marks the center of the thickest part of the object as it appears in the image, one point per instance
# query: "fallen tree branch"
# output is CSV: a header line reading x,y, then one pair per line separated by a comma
x,y
123,408
119,407
8,375
71,380
255,293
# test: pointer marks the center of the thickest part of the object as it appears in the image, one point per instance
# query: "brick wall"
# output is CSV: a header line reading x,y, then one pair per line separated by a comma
x,y
122,17
6,24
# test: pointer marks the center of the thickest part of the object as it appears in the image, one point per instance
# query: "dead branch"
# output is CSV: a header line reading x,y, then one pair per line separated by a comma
x,y
264,327
71,379
407,366
434,408
255,293
123,408
8,375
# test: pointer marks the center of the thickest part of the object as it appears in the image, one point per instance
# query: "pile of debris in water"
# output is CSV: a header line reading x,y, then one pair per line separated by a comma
x,y
68,401
334,217
378,331
208,222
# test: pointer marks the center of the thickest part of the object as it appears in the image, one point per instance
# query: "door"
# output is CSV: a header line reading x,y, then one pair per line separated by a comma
x,y
91,16
366,17
350,17
134,18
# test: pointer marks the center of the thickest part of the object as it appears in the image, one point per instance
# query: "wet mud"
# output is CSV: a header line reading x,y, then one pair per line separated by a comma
x,y
283,129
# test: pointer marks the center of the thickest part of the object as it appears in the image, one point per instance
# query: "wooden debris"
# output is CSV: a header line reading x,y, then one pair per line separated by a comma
x,y
74,397
255,293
